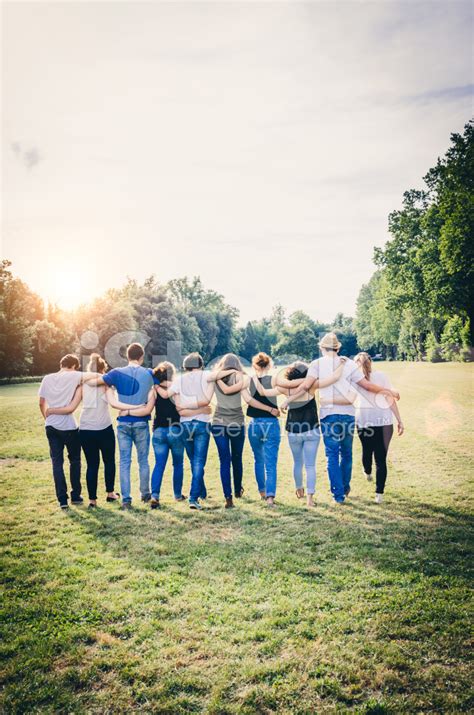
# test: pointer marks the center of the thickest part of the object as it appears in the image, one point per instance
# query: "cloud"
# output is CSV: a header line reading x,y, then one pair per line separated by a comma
x,y
29,157
444,94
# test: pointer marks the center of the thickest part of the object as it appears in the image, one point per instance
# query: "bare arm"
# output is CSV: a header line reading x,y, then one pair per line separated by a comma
x,y
188,412
371,387
94,381
238,385
73,405
141,410
219,374
396,412
259,405
42,406
266,391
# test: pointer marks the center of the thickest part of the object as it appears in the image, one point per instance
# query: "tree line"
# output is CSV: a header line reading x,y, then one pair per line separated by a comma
x,y
417,305
419,302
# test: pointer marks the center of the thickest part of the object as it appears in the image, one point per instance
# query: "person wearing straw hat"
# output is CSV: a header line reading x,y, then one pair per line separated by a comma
x,y
337,410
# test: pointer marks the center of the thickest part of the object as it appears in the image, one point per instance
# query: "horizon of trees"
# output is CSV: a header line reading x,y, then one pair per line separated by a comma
x,y
417,305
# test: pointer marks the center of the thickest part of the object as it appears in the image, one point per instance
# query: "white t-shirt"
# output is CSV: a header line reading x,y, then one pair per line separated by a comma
x,y
373,410
58,390
323,368
192,387
95,413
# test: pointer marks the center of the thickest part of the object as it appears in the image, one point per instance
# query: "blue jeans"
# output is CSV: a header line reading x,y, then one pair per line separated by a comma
x,y
264,438
164,440
196,436
338,434
137,433
230,445
304,447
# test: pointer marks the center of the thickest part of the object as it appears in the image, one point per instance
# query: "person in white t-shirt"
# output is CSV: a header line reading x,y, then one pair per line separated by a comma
x,y
374,419
58,390
337,420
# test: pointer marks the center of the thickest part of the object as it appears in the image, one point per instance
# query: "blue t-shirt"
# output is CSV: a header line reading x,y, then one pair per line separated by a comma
x,y
133,383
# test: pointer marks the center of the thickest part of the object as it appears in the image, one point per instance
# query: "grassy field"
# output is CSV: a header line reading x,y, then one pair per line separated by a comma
x,y
362,608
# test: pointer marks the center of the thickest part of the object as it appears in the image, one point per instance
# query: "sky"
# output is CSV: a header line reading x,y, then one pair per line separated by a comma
x,y
258,145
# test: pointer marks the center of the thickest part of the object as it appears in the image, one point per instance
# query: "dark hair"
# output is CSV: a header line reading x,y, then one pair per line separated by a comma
x,y
164,371
261,360
193,361
296,370
135,351
96,363
70,361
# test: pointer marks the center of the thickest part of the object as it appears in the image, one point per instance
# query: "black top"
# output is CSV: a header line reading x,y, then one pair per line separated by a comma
x,y
303,417
166,413
266,381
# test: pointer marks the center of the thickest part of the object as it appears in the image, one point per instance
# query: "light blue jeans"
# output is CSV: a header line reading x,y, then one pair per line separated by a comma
x,y
264,438
196,435
166,440
138,434
304,447
338,435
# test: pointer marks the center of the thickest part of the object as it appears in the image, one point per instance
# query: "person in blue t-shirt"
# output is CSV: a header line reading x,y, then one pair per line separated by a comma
x,y
135,386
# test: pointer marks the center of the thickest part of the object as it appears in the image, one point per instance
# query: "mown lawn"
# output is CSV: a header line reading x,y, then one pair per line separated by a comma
x,y
362,608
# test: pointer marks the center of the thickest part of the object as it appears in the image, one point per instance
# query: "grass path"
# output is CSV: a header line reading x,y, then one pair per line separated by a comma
x,y
364,608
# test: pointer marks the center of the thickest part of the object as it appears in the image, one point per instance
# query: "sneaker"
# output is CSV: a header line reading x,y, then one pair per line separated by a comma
x,y
378,498
154,503
64,506
193,504
368,476
338,502
146,498
77,500
239,494
347,491
114,498
229,504
125,506
183,497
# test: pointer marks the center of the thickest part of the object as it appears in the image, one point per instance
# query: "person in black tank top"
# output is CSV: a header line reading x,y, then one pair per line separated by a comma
x,y
264,430
302,426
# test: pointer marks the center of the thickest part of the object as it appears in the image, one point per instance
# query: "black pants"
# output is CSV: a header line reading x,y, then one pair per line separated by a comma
x,y
96,443
58,440
375,442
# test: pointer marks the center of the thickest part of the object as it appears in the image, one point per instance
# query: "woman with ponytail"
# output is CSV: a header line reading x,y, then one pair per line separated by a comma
x,y
374,419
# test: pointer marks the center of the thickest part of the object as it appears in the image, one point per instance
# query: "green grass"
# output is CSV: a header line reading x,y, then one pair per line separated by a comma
x,y
363,608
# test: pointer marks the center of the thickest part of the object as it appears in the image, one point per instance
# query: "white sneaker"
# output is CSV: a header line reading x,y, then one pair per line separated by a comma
x,y
378,498
368,476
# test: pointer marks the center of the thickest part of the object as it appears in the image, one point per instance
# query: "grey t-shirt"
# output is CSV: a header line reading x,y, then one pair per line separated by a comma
x,y
229,407
58,390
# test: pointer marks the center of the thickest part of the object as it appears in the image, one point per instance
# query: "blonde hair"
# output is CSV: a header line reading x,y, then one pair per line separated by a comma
x,y
261,360
96,363
229,362
365,362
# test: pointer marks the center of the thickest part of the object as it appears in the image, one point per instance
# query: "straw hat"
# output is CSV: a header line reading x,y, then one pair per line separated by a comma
x,y
330,342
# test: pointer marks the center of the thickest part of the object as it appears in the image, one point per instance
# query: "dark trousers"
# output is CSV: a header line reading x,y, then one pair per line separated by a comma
x,y
58,440
94,444
375,442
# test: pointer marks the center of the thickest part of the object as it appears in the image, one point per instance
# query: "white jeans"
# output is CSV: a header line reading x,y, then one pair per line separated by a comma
x,y
304,447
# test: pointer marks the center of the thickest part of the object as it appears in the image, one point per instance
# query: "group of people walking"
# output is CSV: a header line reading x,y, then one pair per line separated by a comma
x,y
352,396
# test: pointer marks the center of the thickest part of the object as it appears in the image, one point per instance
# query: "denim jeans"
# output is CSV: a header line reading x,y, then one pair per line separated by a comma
x,y
138,434
304,447
230,445
196,436
264,438
58,440
166,440
338,434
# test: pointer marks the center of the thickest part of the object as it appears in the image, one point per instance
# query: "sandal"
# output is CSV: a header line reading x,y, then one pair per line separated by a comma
x,y
300,493
116,497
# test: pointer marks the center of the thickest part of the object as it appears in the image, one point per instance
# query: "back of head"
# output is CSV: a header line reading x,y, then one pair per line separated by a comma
x,y
164,371
296,370
69,361
135,351
261,360
364,361
193,361
230,362
330,342
96,363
